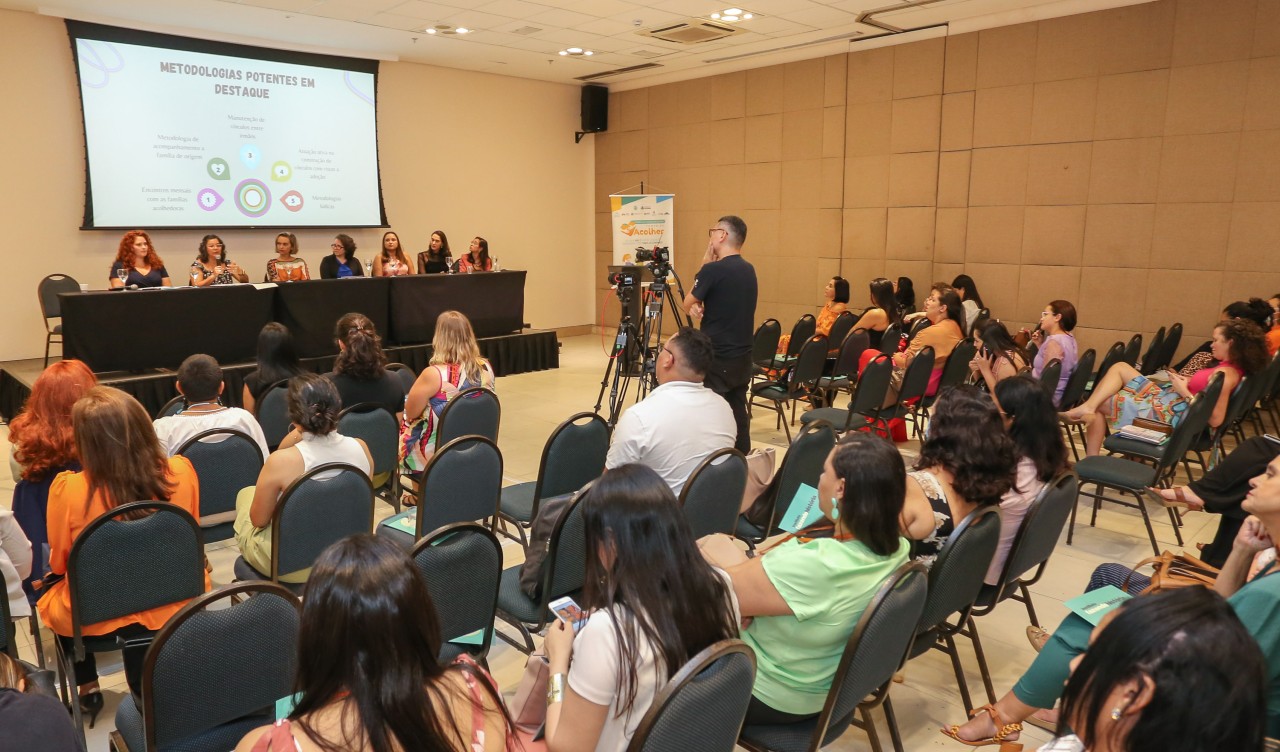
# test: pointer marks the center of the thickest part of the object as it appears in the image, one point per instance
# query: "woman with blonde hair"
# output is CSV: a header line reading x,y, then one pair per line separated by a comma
x,y
456,364
286,266
123,462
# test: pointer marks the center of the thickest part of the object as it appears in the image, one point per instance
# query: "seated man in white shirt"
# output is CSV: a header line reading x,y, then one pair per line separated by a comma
x,y
681,422
200,381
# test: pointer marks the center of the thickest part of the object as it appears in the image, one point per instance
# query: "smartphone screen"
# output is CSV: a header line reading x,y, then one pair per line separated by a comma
x,y
569,612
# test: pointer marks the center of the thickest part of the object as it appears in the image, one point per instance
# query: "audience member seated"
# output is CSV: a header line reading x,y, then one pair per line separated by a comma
x,y
1273,332
904,290
456,364
123,462
652,602
342,262
212,267
966,461
1032,421
277,360
313,407
681,422
360,372
837,294
1123,394
138,261
30,719
1054,339
970,300
368,679
1254,309
942,309
1255,601
200,382
391,262
998,356
43,446
15,565
286,266
437,259
883,312
476,259
802,598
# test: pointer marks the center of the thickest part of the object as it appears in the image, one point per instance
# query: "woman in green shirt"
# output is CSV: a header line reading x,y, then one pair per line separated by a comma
x,y
802,599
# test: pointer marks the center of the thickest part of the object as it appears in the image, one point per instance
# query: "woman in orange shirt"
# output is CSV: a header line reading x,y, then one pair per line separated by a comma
x,y
123,462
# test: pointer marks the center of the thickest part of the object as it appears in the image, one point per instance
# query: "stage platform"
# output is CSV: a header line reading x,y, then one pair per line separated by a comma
x,y
509,354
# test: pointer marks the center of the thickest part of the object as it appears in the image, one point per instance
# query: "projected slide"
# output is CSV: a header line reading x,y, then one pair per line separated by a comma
x,y
179,138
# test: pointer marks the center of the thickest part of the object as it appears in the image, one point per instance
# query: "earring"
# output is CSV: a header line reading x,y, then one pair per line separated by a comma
x,y
835,510
1115,714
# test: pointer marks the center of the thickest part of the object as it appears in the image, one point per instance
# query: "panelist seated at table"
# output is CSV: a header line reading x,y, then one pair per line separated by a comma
x,y
286,266
137,263
342,262
437,259
391,262
212,267
476,259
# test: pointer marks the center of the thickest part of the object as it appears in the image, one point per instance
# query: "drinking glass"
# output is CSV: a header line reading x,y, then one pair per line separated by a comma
x,y
122,274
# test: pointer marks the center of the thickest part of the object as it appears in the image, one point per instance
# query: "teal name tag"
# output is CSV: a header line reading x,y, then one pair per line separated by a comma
x,y
803,510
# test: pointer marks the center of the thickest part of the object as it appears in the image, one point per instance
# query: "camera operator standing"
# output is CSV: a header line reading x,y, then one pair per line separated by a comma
x,y
724,298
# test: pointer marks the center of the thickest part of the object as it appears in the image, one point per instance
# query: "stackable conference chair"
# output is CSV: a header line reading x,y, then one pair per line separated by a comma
x,y
1150,362
764,346
889,341
272,412
51,308
803,329
213,675
172,407
866,403
573,456
702,707
474,411
1050,375
844,370
1170,349
1073,394
840,329
404,373
462,566
954,373
875,650
462,482
799,384
915,382
1133,350
801,464
222,468
371,423
712,495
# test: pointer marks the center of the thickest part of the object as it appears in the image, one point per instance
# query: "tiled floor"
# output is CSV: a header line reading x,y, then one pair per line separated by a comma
x,y
533,404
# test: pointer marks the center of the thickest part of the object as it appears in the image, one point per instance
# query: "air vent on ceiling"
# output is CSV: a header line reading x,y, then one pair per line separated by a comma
x,y
647,54
690,31
526,30
620,71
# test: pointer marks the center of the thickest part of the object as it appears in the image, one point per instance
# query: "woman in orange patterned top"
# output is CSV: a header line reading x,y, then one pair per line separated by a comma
x,y
837,294
123,462
286,266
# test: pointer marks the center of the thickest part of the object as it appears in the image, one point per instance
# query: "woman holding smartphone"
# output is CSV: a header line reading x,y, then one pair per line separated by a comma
x,y
654,603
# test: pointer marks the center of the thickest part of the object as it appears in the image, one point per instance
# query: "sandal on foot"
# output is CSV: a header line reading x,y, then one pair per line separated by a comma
x,y
408,499
1045,719
1000,737
1038,636
1180,499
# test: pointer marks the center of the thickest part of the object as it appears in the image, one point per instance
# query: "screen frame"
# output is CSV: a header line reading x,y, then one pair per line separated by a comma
x,y
102,33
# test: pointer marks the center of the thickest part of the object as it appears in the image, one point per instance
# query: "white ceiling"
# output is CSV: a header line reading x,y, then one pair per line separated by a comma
x,y
522,38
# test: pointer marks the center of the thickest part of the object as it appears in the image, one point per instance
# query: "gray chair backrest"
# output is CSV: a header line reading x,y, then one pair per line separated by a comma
x,y
1192,425
840,328
1050,375
119,566
48,291
1114,355
851,350
462,566
713,494
1150,359
573,456
272,412
371,423
703,705
1037,536
462,482
1171,342
1133,350
802,464
877,647
472,412
872,387
764,345
804,328
172,407
565,567
809,365
208,667
915,380
222,467
956,369
889,341
321,507
957,574
1078,381
404,373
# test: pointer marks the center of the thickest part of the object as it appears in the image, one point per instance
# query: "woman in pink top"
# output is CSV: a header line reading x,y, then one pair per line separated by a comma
x,y
1123,394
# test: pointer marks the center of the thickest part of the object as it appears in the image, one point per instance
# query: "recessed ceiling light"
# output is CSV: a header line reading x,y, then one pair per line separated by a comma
x,y
576,52
463,30
431,31
732,15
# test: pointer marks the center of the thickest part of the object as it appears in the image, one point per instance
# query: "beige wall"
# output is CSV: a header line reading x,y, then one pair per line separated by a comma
x,y
1126,160
469,153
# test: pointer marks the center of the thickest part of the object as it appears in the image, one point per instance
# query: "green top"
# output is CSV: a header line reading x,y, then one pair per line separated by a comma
x,y
827,584
1257,604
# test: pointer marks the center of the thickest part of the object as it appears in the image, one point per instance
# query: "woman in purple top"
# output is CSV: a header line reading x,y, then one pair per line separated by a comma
x,y
1055,340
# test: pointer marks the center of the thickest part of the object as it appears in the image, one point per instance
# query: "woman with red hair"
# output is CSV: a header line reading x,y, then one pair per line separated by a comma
x,y
137,263
43,446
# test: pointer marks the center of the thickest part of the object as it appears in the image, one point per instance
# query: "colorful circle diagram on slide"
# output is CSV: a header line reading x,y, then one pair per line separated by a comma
x,y
292,201
250,155
252,197
281,172
218,169
209,199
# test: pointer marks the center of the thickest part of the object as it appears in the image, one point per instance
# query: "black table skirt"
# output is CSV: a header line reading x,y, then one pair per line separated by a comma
x,y
494,303
311,309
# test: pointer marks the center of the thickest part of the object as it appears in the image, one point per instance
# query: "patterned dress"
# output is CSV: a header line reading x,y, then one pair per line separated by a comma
x,y
927,549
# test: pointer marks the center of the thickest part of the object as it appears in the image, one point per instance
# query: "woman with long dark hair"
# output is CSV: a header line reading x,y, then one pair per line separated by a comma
x,y
970,300
944,332
476,259
905,291
212,267
277,360
437,258
360,372
1032,421
123,462
998,356
836,295
966,461
391,261
883,312
654,603
368,677
804,595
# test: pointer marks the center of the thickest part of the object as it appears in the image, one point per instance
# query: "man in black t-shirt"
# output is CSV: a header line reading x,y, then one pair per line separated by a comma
x,y
724,297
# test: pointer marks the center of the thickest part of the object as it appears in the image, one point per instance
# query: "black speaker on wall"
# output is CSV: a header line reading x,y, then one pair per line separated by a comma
x,y
595,110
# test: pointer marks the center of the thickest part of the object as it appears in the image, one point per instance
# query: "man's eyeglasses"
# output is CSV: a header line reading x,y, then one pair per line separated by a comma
x,y
713,230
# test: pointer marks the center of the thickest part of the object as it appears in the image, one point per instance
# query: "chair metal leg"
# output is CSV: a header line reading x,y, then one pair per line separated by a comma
x,y
526,646
1071,528
1097,502
982,661
1146,520
46,350
894,734
869,725
36,640
1031,609
959,671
